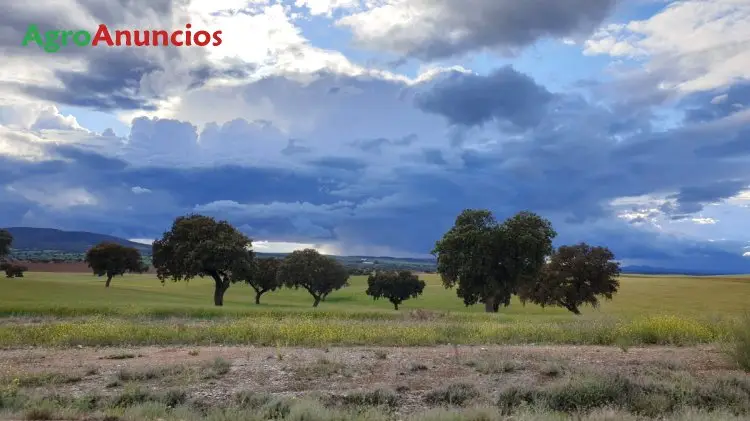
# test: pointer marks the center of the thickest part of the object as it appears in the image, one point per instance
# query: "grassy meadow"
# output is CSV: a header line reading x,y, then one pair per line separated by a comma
x,y
139,310
44,293
72,349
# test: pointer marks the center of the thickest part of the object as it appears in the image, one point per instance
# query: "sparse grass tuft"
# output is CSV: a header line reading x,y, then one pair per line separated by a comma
x,y
552,369
44,379
44,412
322,367
121,356
379,397
217,368
458,394
150,373
414,367
739,344
648,397
494,364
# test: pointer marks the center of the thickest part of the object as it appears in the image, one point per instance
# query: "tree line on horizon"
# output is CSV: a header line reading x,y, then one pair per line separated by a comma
x,y
488,262
11,269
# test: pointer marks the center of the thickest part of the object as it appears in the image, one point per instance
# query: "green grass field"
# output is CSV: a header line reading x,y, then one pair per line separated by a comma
x,y
648,309
45,293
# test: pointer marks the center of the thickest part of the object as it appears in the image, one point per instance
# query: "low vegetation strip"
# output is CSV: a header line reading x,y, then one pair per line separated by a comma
x,y
298,331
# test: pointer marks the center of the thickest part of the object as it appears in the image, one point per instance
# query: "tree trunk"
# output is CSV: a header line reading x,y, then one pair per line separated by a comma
x,y
109,279
221,287
571,307
258,293
317,300
489,305
395,306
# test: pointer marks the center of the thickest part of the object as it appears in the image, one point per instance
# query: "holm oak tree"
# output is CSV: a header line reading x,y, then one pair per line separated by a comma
x,y
6,240
198,245
487,260
112,259
261,275
319,275
394,286
575,275
13,270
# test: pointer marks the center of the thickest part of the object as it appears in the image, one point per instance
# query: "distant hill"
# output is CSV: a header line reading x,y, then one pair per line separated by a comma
x,y
48,239
650,270
64,241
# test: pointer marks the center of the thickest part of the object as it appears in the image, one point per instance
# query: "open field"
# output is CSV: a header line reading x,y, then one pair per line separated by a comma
x,y
46,293
327,384
71,349
76,309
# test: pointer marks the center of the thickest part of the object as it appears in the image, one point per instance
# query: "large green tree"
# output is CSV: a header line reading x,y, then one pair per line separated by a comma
x,y
261,275
487,260
575,275
319,275
6,240
198,245
112,259
394,286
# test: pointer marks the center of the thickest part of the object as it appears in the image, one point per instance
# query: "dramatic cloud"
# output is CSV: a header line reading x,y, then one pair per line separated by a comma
x,y
434,29
693,45
471,100
297,143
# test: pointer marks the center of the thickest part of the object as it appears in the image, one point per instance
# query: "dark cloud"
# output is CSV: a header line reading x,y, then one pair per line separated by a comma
x,y
339,163
712,105
504,95
692,199
293,147
110,81
378,144
108,78
443,28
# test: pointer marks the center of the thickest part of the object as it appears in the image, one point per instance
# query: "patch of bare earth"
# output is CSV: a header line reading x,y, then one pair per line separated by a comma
x,y
340,371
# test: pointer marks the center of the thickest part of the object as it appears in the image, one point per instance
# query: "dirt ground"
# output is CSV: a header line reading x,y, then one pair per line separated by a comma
x,y
338,371
67,267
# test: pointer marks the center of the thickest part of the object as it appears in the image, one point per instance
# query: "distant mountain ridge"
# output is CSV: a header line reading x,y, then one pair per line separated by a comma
x,y
40,239
26,238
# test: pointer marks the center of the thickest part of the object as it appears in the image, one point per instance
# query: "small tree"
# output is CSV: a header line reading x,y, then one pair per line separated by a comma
x,y
13,270
6,240
261,276
319,275
394,286
575,275
198,245
112,259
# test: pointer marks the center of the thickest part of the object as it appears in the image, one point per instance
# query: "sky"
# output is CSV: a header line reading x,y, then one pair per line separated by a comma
x,y
363,127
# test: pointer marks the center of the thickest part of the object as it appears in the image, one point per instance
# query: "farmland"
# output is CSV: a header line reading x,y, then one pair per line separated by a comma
x,y
143,350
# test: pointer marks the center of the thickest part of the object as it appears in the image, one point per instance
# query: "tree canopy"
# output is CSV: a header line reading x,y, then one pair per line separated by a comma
x,y
261,275
575,275
198,246
6,240
319,275
396,287
13,270
488,261
112,259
